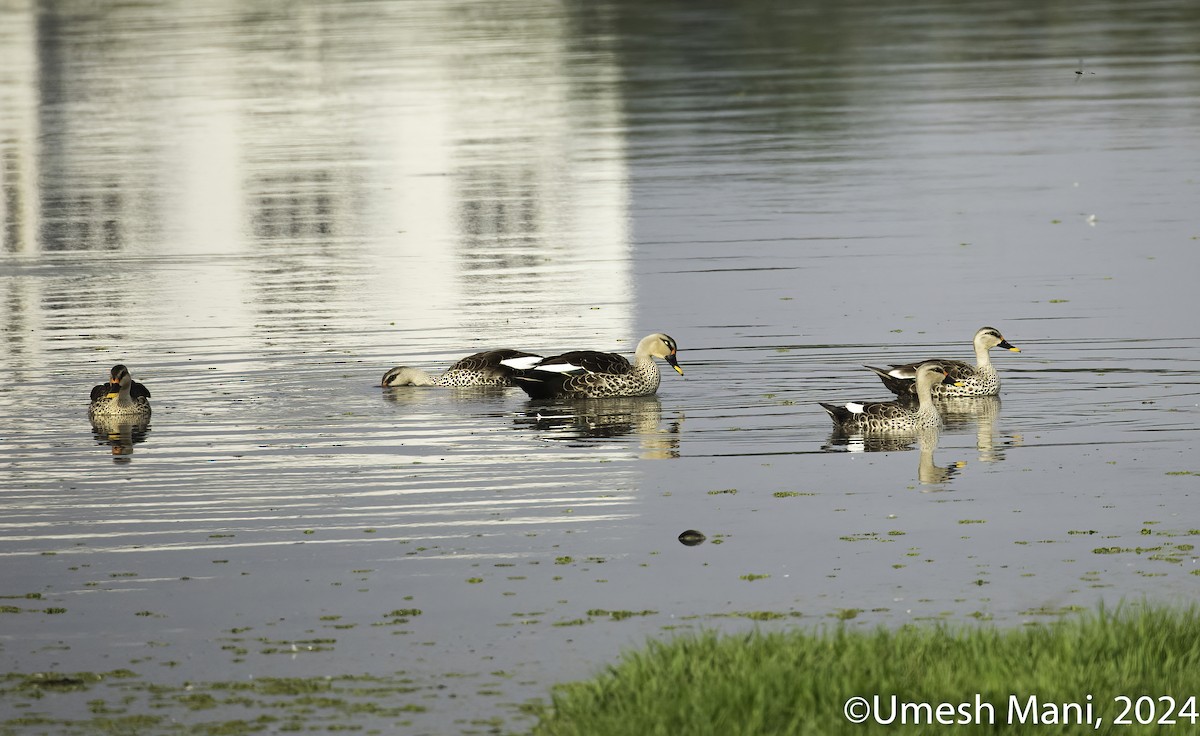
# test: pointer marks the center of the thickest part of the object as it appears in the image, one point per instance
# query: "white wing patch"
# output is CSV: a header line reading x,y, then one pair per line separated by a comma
x,y
559,368
522,363
854,408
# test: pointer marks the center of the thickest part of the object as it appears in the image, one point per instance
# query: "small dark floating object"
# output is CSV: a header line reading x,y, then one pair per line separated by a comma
x,y
691,538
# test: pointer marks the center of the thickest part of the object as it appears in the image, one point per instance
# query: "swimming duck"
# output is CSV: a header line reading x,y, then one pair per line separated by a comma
x,y
120,396
481,369
980,379
893,416
588,374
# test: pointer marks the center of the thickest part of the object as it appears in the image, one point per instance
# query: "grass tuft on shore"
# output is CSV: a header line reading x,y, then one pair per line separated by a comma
x,y
797,682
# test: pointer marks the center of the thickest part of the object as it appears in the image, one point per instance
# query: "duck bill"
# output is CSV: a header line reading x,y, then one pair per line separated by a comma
x,y
951,381
1009,346
674,363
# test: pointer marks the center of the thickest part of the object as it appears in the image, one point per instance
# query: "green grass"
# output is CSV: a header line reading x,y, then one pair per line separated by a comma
x,y
797,682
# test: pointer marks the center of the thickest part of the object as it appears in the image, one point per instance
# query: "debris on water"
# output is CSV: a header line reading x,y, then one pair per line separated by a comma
x,y
691,538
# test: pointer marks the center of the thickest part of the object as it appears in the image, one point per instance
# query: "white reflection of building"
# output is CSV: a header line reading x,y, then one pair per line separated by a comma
x,y
506,182
457,168
18,129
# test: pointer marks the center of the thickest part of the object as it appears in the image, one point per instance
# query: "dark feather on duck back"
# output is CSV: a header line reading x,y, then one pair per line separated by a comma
x,y
489,361
591,360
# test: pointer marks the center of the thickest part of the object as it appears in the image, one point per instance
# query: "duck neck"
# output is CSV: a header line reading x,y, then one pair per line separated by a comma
x,y
123,396
925,405
983,360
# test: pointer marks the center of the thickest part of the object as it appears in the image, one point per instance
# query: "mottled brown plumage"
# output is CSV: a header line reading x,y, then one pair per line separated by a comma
x,y
481,369
588,374
980,379
120,396
894,416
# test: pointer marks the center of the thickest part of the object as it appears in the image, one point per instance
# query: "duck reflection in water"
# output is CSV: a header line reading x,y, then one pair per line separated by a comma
x,y
896,425
980,412
586,419
958,415
420,397
121,433
928,473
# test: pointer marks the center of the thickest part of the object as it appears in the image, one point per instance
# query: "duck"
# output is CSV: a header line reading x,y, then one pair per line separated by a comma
x,y
589,374
894,416
120,396
980,379
481,369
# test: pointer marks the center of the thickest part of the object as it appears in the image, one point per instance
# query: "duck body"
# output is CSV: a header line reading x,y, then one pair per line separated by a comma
x,y
894,416
120,397
980,379
481,369
590,374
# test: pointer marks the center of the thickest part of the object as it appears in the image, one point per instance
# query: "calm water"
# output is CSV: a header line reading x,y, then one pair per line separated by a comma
x,y
261,210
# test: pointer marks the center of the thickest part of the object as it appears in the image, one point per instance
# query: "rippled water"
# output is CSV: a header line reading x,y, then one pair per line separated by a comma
x,y
260,211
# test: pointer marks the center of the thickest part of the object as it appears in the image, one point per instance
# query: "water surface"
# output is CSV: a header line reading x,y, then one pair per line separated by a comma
x,y
260,211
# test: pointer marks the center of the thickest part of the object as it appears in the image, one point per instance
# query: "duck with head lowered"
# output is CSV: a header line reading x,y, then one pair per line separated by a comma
x,y
120,396
492,368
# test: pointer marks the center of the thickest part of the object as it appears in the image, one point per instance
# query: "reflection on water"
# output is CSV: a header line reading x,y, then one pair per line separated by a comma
x,y
420,395
928,472
926,441
120,433
590,419
977,413
446,178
